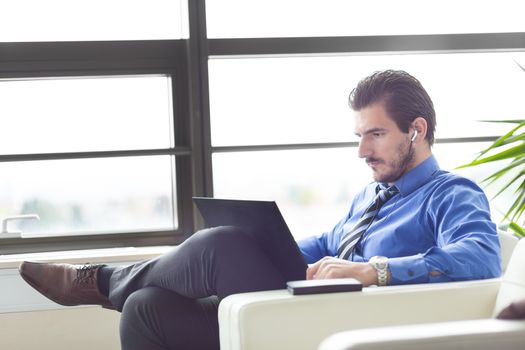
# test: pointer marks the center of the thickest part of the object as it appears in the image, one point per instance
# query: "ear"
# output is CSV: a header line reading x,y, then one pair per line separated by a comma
x,y
420,127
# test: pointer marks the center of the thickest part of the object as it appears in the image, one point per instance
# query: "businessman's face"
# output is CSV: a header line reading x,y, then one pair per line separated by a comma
x,y
387,150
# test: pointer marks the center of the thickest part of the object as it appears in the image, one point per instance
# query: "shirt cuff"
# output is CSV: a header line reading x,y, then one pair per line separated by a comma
x,y
408,269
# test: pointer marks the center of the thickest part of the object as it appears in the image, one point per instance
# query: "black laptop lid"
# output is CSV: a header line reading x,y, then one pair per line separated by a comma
x,y
264,222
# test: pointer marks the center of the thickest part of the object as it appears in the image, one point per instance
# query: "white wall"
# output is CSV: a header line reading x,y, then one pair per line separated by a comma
x,y
73,328
30,321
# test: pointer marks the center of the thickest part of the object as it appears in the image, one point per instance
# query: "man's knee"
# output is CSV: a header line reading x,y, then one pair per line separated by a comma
x,y
148,301
229,237
137,307
139,320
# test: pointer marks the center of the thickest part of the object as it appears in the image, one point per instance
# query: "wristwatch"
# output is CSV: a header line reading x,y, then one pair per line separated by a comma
x,y
380,263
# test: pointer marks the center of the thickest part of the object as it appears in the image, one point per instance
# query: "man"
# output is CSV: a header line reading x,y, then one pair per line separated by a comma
x,y
414,224
437,228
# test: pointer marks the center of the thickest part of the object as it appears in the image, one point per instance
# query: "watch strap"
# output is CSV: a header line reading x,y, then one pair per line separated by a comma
x,y
381,266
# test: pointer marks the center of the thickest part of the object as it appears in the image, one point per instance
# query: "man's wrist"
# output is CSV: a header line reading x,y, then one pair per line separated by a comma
x,y
380,264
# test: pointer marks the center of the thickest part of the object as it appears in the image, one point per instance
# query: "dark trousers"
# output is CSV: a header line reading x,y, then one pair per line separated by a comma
x,y
171,302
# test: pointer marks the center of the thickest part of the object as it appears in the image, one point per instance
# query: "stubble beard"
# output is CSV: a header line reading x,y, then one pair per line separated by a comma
x,y
398,166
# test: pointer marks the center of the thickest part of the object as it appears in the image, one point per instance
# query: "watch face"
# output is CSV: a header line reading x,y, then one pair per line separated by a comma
x,y
379,260
381,265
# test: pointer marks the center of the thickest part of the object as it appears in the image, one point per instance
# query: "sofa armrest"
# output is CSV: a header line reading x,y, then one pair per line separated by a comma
x,y
485,334
277,319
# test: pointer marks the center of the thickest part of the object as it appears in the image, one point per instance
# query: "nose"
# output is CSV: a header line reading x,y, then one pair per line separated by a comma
x,y
363,151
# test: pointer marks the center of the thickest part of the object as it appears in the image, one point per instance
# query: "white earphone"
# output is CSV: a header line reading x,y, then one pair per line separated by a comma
x,y
414,136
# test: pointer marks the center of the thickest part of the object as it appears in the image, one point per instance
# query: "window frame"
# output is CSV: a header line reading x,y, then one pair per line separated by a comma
x,y
110,58
186,60
360,45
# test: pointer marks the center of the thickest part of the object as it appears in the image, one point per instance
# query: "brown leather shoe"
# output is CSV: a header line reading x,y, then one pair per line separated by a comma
x,y
65,284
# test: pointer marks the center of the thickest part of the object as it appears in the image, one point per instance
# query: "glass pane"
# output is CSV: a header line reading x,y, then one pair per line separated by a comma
x,y
66,20
85,114
313,188
305,99
83,196
303,18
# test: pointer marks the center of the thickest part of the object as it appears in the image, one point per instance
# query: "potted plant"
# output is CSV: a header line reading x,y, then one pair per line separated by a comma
x,y
509,146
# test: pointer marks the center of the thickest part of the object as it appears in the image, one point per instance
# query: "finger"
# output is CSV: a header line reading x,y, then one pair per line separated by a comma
x,y
324,267
312,270
333,268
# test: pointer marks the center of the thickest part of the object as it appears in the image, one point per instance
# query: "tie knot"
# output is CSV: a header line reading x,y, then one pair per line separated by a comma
x,y
386,193
392,190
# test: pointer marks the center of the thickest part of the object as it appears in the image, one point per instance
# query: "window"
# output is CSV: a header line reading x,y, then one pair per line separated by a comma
x,y
79,196
64,20
109,130
281,128
85,114
324,18
96,143
257,101
314,187
90,196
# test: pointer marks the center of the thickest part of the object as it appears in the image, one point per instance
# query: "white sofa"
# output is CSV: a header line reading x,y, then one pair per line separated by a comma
x,y
484,334
473,333
279,320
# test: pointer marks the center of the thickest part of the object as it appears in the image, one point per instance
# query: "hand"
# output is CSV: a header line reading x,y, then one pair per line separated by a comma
x,y
329,267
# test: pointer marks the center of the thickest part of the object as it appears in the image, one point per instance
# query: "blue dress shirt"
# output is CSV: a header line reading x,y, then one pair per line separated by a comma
x,y
439,222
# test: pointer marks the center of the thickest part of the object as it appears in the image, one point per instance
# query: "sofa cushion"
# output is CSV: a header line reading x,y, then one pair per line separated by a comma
x,y
507,242
513,281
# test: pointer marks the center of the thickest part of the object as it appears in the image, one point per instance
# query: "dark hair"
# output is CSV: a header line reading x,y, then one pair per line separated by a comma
x,y
402,96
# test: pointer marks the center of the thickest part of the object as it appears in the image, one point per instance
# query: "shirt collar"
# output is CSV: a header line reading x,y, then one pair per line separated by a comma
x,y
418,176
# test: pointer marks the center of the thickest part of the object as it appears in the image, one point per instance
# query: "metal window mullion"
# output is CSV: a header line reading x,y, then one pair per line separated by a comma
x,y
305,146
56,59
389,44
181,130
35,60
178,151
199,108
94,241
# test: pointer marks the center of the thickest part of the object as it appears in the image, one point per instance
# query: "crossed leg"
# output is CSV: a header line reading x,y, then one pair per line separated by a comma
x,y
164,300
218,261
171,302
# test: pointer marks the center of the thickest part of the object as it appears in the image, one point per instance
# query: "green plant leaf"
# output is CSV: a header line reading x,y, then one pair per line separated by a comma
x,y
514,179
518,203
505,139
494,177
519,137
520,232
511,210
515,137
521,205
512,121
518,209
519,65
518,151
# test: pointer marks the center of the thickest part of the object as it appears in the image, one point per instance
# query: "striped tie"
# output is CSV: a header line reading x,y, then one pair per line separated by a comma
x,y
351,238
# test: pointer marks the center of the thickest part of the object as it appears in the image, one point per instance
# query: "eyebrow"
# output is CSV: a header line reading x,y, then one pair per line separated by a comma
x,y
371,131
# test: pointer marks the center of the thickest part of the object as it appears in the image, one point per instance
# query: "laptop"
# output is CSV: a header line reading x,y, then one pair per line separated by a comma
x,y
263,221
